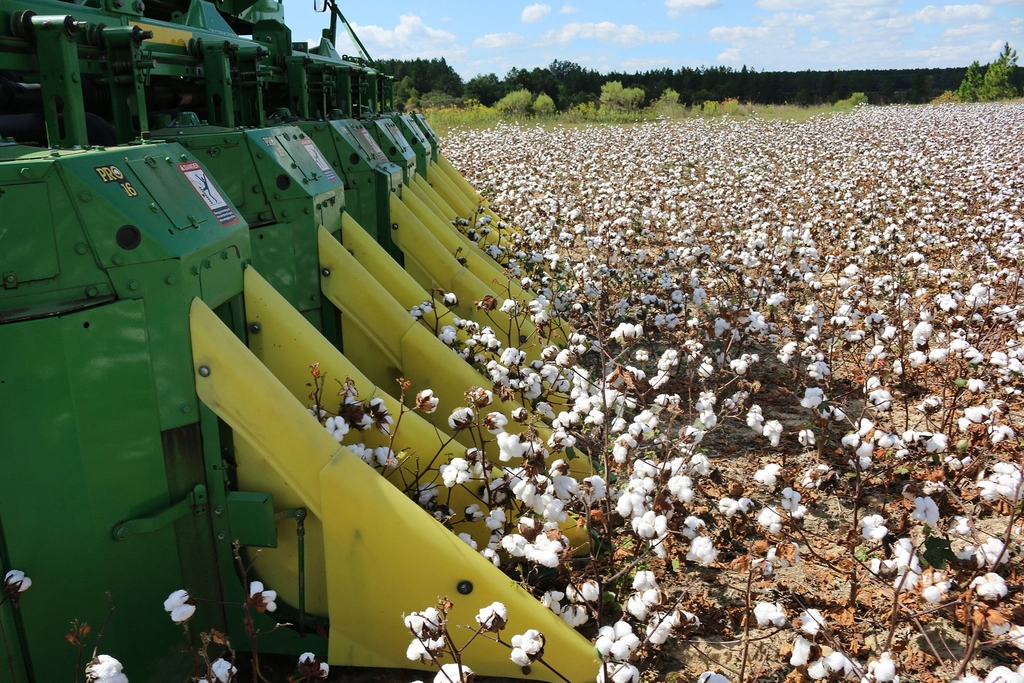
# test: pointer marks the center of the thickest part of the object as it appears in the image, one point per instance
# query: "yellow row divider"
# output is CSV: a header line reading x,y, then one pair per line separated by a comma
x,y
452,196
427,193
383,556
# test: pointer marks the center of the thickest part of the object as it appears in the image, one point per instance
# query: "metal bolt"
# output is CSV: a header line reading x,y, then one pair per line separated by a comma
x,y
92,292
255,328
325,272
133,285
170,279
464,587
116,259
394,226
81,249
218,510
186,408
204,370
222,535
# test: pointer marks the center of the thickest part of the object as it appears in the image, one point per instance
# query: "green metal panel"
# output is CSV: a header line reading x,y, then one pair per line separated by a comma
x,y
369,177
390,139
252,518
78,391
27,247
417,141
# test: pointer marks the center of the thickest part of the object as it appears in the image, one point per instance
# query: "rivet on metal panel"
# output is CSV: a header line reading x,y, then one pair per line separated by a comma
x,y
133,285
170,279
91,292
25,173
81,249
186,408
326,272
218,510
222,535
225,254
116,259
195,270
394,226
255,328
85,195
208,263
204,370
464,587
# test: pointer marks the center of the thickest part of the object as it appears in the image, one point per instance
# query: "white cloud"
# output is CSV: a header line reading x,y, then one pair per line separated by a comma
x,y
644,63
498,40
534,13
676,8
953,14
784,5
968,30
569,9
729,56
409,40
818,43
627,35
737,34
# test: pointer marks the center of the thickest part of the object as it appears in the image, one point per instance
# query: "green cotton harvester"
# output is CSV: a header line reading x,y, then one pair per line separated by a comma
x,y
194,210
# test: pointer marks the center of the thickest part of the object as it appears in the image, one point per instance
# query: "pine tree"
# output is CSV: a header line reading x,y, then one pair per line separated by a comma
x,y
972,83
997,82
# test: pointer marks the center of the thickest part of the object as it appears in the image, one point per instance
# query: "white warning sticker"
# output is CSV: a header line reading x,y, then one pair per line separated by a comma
x,y
314,152
201,182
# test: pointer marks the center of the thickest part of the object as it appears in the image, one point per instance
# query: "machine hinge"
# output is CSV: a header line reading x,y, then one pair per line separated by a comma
x,y
145,525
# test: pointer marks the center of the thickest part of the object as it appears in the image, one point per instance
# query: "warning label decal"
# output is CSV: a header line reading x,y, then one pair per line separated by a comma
x,y
197,176
320,160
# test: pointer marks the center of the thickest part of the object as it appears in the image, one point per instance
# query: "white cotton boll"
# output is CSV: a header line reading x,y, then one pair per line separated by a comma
x,y
990,587
801,651
453,672
933,594
645,580
105,669
182,613
1002,674
425,624
493,617
806,437
769,474
461,418
773,430
769,613
813,397
635,605
660,628
223,670
992,553
770,520
925,510
883,670
702,550
712,677
809,622
872,527
618,672
468,540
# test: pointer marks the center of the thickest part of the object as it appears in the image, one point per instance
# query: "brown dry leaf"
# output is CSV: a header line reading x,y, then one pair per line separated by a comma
x,y
844,616
797,675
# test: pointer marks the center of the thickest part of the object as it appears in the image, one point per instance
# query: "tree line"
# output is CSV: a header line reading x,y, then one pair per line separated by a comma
x,y
433,82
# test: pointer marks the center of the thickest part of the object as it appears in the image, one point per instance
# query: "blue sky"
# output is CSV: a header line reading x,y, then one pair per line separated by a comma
x,y
484,37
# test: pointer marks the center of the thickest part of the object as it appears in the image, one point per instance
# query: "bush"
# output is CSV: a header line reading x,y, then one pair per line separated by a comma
x,y
516,103
852,101
614,96
731,107
709,108
947,97
543,105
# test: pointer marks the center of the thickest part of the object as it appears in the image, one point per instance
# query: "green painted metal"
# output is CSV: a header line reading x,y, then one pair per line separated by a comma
x,y
252,518
370,178
390,139
420,144
107,452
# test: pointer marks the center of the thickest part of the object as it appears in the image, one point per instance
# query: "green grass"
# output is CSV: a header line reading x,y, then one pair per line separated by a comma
x,y
475,115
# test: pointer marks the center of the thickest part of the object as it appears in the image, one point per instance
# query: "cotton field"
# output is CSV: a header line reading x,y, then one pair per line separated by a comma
x,y
790,354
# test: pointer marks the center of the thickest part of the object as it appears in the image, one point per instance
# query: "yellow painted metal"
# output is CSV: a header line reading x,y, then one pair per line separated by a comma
x,y
432,266
246,396
166,35
369,584
452,172
382,556
451,196
455,243
425,192
459,183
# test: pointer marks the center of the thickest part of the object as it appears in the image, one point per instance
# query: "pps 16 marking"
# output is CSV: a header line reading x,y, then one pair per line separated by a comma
x,y
112,174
